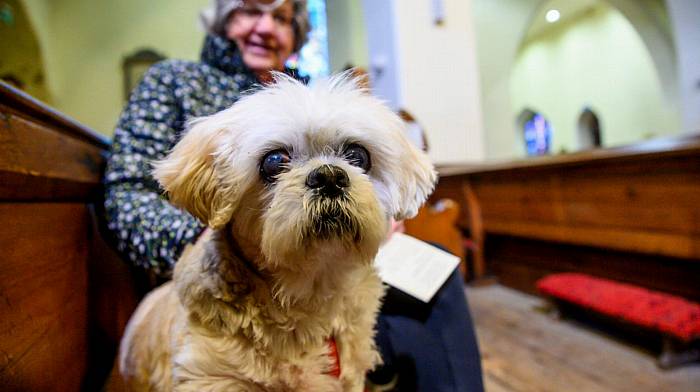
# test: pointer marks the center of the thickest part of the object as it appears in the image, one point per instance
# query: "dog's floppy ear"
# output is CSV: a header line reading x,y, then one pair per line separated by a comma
x,y
416,182
189,174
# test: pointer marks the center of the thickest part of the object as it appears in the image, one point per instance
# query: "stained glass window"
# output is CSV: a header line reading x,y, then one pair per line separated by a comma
x,y
313,57
538,134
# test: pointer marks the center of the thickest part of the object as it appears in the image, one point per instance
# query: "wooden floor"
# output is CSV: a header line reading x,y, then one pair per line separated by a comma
x,y
523,349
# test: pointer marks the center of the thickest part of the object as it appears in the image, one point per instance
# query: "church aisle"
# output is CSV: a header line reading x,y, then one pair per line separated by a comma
x,y
523,349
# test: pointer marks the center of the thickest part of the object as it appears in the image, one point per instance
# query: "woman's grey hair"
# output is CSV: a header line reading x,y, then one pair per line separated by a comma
x,y
215,19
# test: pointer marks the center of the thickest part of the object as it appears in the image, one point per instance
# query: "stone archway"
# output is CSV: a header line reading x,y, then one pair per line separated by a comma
x,y
653,26
564,66
501,27
650,18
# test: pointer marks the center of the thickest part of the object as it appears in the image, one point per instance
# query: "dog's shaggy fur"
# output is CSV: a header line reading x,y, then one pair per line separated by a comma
x,y
281,268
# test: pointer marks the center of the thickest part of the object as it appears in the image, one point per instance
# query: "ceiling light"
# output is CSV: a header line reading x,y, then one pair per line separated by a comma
x,y
552,16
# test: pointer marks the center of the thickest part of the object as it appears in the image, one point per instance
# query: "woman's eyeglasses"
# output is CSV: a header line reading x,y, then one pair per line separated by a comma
x,y
254,14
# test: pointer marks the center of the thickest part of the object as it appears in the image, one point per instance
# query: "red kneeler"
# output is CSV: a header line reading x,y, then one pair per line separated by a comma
x,y
677,319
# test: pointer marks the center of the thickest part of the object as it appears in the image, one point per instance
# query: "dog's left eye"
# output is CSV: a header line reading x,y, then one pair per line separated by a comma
x,y
358,156
274,163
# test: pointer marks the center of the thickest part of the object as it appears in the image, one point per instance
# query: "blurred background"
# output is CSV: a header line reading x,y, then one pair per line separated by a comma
x,y
487,79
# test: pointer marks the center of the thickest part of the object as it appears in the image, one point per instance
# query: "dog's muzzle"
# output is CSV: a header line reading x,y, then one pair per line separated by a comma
x,y
329,180
331,210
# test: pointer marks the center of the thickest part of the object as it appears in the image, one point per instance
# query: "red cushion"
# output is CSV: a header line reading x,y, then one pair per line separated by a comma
x,y
663,312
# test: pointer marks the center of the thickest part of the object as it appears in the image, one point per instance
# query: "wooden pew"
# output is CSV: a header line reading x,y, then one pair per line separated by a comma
x,y
64,295
630,214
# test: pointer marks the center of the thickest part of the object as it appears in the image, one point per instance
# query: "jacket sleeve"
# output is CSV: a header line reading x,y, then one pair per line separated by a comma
x,y
149,231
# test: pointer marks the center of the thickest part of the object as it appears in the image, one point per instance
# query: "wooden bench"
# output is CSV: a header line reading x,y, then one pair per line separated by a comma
x,y
675,319
626,213
65,297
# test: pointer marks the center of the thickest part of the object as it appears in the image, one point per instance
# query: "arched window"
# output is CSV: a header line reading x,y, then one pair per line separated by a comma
x,y
537,132
312,59
589,135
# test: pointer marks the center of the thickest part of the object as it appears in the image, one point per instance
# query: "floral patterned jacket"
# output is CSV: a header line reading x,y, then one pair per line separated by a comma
x,y
150,231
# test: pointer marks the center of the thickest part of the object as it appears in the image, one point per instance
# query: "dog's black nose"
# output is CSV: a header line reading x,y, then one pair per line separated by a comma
x,y
328,179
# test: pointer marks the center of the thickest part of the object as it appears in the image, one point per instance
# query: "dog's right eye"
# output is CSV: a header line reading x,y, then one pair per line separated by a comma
x,y
274,163
358,156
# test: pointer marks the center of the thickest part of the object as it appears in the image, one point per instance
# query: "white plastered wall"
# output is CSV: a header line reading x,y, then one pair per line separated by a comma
x,y
598,61
502,24
347,37
685,18
435,75
84,42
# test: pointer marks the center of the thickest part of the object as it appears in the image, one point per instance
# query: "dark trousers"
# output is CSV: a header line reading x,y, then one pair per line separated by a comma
x,y
431,346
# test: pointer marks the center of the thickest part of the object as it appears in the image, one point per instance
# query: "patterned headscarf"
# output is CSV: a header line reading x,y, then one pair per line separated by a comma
x,y
216,16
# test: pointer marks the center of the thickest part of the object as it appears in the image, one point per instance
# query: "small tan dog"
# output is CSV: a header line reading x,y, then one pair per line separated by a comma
x,y
297,185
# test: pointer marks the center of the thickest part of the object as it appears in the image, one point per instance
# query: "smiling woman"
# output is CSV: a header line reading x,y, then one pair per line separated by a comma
x,y
265,32
264,35
247,40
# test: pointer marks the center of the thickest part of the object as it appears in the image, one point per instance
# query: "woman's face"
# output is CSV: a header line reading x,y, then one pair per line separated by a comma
x,y
265,38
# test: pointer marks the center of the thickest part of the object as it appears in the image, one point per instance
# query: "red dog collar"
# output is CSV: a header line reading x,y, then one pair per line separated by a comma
x,y
333,352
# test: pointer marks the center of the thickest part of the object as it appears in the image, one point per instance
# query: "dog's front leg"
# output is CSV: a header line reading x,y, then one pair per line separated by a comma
x,y
358,356
357,350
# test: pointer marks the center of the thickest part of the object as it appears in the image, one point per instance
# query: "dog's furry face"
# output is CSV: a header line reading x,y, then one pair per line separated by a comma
x,y
301,170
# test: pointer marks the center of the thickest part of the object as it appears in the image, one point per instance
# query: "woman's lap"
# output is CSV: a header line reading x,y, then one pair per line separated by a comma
x,y
433,345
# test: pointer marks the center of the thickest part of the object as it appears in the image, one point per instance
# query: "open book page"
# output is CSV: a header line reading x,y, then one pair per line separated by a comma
x,y
413,266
